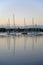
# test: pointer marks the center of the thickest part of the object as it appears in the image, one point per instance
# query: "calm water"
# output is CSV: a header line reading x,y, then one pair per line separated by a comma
x,y
21,50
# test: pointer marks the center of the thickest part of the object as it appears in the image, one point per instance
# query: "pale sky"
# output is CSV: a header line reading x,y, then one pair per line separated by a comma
x,y
21,8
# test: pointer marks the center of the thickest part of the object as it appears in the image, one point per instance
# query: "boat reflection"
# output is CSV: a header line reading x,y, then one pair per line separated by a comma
x,y
27,42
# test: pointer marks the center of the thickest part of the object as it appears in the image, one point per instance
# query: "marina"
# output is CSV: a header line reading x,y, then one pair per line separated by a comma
x,y
21,32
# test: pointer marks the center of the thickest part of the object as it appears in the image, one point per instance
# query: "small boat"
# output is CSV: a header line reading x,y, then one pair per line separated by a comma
x,y
24,33
35,34
3,34
12,33
18,34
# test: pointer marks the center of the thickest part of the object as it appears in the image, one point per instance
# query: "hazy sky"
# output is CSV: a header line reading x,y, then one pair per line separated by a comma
x,y
21,9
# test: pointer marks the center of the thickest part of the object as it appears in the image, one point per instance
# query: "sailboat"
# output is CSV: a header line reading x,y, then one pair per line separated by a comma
x,y
24,32
7,32
33,33
12,32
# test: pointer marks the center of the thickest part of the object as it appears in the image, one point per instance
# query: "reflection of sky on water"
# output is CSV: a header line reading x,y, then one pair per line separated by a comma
x,y
21,50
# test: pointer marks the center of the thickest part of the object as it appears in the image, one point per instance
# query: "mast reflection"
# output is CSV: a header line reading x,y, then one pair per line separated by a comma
x,y
8,42
34,42
25,42
14,45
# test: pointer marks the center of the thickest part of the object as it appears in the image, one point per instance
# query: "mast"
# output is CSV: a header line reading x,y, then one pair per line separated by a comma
x,y
8,23
33,26
24,22
33,22
14,19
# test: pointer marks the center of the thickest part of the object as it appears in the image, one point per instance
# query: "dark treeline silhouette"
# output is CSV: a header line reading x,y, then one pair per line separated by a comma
x,y
2,30
21,30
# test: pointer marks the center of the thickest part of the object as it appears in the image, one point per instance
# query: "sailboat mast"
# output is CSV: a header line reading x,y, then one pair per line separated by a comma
x,y
33,22
8,22
24,22
8,25
14,19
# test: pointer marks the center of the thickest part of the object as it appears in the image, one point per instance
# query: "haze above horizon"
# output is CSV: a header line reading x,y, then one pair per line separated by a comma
x,y
21,8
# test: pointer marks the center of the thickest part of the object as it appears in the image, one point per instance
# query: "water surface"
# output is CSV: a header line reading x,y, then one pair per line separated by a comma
x,y
21,50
